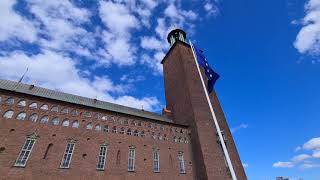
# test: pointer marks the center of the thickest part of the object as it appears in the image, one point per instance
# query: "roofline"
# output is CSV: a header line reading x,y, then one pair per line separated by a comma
x,y
174,45
13,86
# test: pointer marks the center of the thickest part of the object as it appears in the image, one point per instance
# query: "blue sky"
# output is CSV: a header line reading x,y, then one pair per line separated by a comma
x,y
267,53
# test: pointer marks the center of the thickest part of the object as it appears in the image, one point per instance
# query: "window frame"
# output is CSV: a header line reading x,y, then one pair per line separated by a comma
x,y
131,159
4,114
24,149
182,166
24,118
102,157
156,161
66,153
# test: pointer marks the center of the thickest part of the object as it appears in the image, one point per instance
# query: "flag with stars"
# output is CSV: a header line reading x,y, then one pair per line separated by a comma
x,y
202,61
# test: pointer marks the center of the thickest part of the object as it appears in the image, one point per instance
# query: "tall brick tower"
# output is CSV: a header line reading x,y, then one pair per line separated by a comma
x,y
188,104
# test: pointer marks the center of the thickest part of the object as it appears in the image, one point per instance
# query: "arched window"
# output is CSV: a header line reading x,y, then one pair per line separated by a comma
x,y
75,124
44,107
10,101
65,123
89,125
33,117
122,130
159,136
97,116
21,116
180,140
126,122
65,111
106,128
74,112
22,103
8,114
104,118
142,134
153,135
175,139
139,123
55,121
118,158
87,114
98,127
33,105
114,129
186,140
44,120
129,132
165,137
136,133
55,109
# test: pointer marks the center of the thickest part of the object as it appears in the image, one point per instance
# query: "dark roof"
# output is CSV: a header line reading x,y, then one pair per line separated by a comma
x,y
60,96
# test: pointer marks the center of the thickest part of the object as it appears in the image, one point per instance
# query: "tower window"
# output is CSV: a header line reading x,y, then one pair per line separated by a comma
x,y
102,157
21,116
25,152
87,114
65,163
182,169
22,103
142,134
129,132
44,120
8,114
156,161
33,105
131,158
33,117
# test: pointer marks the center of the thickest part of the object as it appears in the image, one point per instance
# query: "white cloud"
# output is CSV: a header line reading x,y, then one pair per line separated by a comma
x,y
312,144
13,25
283,165
211,9
152,43
56,71
308,166
241,126
298,148
308,39
301,157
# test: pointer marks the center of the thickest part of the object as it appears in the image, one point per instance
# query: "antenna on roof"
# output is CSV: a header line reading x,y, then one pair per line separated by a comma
x,y
20,80
33,84
95,98
142,107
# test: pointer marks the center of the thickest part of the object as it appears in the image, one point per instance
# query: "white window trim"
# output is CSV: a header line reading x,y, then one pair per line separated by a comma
x,y
156,159
30,151
102,156
182,166
65,151
133,150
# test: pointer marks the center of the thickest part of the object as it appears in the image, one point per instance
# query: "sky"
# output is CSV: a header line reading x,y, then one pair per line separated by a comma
x,y
266,52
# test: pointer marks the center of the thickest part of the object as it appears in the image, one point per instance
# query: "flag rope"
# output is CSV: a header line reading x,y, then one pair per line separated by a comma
x,y
225,151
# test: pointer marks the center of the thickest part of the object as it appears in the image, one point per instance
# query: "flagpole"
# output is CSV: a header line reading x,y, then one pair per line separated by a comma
x,y
225,151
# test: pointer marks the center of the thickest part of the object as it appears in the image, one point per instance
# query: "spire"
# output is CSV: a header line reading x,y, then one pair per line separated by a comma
x,y
176,35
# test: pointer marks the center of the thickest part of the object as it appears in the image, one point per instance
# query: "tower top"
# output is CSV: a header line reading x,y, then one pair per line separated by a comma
x,y
176,34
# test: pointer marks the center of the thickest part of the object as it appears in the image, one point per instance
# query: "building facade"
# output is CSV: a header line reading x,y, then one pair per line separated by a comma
x,y
46,134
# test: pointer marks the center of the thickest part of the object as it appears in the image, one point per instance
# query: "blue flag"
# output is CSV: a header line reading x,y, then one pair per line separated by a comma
x,y
202,61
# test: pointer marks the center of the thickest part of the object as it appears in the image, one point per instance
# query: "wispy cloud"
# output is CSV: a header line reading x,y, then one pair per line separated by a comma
x,y
237,128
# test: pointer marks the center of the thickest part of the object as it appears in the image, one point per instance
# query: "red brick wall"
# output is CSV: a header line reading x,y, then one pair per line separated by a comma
x,y
186,99
84,160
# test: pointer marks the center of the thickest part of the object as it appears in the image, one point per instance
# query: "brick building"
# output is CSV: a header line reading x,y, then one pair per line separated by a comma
x,y
46,134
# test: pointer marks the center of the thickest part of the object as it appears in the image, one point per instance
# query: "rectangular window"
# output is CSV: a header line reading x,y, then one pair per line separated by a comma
x,y
65,163
102,157
131,159
25,152
156,161
182,168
